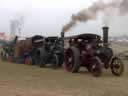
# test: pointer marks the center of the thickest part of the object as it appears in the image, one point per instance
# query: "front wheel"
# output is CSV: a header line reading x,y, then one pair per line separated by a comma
x,y
117,66
96,67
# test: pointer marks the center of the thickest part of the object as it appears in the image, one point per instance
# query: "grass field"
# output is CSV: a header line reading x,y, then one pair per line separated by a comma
x,y
26,80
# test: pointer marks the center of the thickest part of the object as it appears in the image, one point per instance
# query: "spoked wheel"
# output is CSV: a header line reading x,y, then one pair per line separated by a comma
x,y
55,61
117,66
96,67
72,60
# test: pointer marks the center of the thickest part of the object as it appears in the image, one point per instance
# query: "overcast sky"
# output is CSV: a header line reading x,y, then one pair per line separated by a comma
x,y
47,17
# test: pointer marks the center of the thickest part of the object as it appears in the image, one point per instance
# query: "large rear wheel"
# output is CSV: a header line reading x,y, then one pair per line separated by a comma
x,y
72,59
117,66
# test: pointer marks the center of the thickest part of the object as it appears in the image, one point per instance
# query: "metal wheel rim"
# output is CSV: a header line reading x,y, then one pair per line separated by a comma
x,y
117,66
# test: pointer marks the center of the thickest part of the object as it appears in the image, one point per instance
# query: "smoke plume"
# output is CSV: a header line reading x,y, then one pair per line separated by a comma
x,y
118,7
69,25
123,7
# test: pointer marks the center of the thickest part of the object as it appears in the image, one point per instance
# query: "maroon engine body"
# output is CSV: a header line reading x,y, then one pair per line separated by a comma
x,y
90,51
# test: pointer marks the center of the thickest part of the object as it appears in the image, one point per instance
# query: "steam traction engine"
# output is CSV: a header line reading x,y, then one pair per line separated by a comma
x,y
51,52
90,51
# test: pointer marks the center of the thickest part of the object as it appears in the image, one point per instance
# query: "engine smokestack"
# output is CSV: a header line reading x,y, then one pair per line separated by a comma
x,y
62,37
105,35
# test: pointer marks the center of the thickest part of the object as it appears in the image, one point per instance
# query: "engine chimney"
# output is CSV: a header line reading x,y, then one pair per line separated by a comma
x,y
105,35
62,34
15,39
62,37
